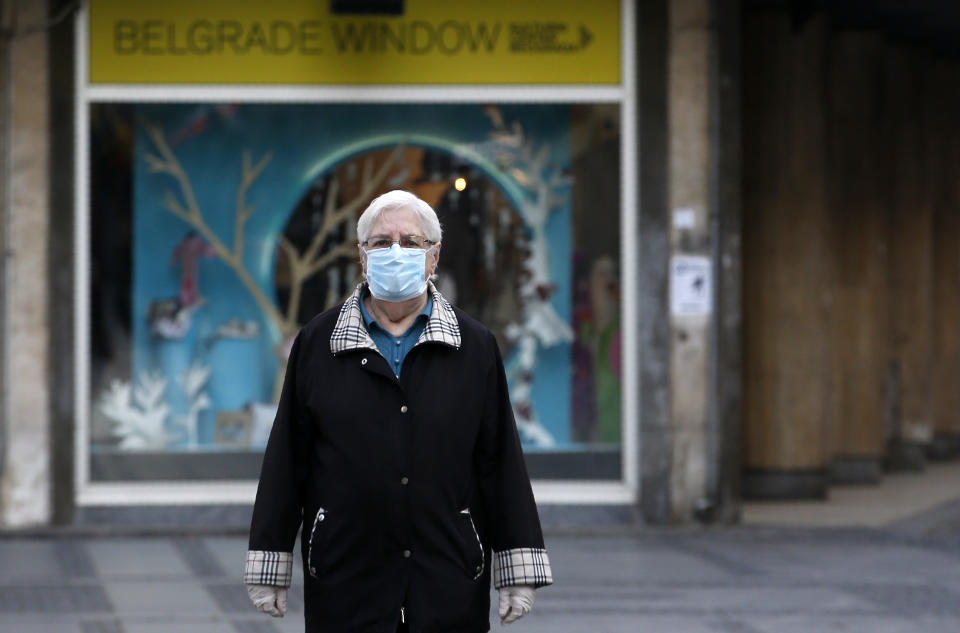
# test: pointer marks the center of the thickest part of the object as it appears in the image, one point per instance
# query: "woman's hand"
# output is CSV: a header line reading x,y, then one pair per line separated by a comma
x,y
269,599
515,602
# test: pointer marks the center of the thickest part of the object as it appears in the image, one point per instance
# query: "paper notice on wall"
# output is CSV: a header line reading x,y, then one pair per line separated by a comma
x,y
684,218
691,285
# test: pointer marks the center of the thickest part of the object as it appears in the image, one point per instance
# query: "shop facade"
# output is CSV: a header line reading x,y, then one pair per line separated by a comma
x,y
222,157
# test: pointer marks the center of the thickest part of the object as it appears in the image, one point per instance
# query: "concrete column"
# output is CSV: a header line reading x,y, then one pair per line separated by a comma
x,y
857,258
653,346
943,150
60,258
25,480
784,225
911,264
727,367
690,241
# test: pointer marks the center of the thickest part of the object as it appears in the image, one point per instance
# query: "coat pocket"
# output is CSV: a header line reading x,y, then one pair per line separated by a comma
x,y
472,546
313,545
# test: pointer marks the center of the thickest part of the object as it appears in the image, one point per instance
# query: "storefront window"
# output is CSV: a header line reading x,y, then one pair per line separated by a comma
x,y
218,230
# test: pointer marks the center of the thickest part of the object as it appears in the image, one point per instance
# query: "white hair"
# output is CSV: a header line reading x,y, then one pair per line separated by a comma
x,y
398,199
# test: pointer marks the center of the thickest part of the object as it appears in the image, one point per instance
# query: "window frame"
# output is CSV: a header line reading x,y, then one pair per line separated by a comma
x,y
547,491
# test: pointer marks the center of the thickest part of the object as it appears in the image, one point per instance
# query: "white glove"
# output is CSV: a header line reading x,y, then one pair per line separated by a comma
x,y
515,602
269,599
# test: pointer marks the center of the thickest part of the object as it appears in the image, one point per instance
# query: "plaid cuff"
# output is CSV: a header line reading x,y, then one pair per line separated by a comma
x,y
521,566
268,568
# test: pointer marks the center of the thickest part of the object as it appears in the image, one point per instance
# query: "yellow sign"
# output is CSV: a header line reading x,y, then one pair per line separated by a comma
x,y
301,42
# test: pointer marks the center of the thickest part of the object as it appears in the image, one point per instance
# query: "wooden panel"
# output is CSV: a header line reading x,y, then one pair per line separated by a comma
x,y
911,248
857,244
783,228
943,165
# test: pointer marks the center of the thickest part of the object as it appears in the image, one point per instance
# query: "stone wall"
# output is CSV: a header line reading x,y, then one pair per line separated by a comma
x,y
25,479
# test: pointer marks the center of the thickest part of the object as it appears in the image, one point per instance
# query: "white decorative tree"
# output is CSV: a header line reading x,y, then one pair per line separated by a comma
x,y
540,325
138,417
193,381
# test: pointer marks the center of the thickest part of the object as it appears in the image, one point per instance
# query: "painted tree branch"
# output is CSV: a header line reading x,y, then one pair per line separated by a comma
x,y
343,250
250,174
329,209
168,163
305,265
334,217
301,266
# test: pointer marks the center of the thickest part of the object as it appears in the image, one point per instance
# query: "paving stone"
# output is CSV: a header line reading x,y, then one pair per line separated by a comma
x,y
148,597
906,600
814,623
732,625
727,561
901,562
144,558
230,598
260,625
49,598
73,558
737,580
22,560
101,626
765,599
290,623
233,598
198,557
48,623
231,553
624,561
604,623
177,625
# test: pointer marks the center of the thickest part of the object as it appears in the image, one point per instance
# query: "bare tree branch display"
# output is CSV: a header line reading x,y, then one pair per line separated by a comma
x,y
302,265
168,163
311,261
541,326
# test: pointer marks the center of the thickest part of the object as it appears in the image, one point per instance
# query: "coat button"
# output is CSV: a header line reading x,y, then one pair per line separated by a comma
x,y
406,553
404,481
363,362
403,409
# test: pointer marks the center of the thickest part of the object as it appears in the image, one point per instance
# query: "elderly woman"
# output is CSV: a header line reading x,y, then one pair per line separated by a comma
x,y
395,448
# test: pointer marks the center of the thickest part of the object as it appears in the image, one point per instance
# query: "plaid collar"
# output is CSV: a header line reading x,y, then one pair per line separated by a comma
x,y
350,333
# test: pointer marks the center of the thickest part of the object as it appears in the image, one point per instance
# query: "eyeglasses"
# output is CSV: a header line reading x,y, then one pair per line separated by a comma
x,y
406,241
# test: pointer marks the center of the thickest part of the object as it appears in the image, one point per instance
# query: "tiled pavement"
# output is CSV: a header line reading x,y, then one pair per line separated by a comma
x,y
746,580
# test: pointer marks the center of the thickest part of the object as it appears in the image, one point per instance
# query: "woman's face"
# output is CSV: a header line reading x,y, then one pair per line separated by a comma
x,y
395,223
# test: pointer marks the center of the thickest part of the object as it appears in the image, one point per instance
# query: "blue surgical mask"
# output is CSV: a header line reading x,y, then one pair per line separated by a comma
x,y
396,274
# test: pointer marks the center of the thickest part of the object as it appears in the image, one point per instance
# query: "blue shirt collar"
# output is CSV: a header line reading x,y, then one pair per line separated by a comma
x,y
351,333
369,320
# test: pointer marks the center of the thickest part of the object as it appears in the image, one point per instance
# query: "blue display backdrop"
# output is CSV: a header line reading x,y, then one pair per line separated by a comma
x,y
216,188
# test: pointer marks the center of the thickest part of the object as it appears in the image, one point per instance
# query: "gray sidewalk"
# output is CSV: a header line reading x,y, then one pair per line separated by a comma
x,y
726,580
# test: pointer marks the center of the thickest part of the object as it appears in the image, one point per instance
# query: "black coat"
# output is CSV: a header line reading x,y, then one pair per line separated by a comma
x,y
409,490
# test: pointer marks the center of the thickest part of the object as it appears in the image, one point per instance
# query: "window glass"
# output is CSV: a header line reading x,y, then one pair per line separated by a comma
x,y
218,230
